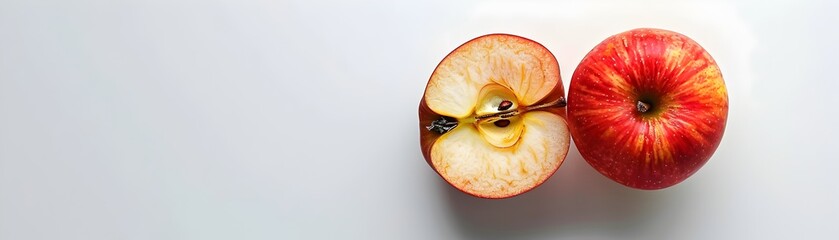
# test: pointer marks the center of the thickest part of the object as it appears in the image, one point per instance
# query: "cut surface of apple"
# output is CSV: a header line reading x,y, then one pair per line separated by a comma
x,y
492,118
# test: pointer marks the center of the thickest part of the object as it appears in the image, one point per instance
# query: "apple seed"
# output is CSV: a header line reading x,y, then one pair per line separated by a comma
x,y
502,123
506,104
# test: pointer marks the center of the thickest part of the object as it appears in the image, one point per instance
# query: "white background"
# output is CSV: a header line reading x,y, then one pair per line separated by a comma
x,y
197,119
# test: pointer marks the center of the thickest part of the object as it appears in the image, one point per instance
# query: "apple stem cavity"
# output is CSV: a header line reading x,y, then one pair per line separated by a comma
x,y
442,125
643,107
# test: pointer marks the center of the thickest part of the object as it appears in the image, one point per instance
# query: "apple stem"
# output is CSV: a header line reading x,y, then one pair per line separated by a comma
x,y
556,103
642,106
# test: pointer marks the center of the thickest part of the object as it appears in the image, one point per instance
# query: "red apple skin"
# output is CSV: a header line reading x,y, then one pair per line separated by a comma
x,y
682,129
426,115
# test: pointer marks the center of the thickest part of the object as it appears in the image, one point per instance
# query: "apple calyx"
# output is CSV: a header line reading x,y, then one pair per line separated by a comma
x,y
442,125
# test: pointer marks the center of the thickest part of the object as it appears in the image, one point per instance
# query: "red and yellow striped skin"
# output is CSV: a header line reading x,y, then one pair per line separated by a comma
x,y
665,145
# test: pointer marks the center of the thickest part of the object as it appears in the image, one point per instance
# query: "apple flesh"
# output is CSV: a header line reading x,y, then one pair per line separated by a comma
x,y
647,108
492,118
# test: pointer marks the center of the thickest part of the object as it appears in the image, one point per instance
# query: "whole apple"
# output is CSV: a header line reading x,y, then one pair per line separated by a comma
x,y
647,108
492,118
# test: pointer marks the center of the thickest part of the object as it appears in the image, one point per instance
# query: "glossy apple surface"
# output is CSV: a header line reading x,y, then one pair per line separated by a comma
x,y
647,108
492,118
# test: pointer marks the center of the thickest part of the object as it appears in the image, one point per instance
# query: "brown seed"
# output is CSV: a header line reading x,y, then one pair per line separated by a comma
x,y
502,123
506,104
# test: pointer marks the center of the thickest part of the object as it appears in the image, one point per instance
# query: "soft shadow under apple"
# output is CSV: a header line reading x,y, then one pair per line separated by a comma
x,y
575,199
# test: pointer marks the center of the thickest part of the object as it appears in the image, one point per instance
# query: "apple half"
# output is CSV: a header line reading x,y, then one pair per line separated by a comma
x,y
647,107
492,118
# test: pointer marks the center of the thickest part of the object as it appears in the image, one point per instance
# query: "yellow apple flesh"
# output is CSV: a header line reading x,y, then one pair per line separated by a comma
x,y
492,118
